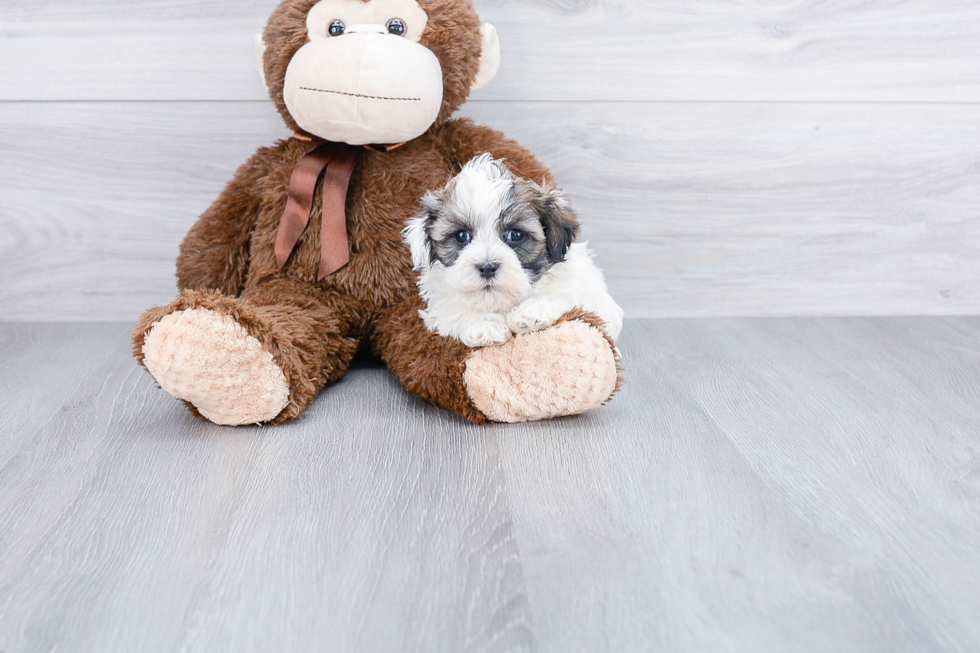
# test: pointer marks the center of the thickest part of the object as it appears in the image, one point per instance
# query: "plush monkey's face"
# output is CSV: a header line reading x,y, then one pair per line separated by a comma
x,y
374,71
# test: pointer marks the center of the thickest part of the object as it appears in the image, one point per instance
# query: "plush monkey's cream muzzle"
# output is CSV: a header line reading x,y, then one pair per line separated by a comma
x,y
366,87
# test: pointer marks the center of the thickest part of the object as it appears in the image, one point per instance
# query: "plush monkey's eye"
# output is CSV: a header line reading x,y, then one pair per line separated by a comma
x,y
397,27
337,28
515,237
463,237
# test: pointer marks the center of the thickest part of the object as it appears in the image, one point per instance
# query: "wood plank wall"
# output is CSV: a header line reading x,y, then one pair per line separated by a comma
x,y
729,157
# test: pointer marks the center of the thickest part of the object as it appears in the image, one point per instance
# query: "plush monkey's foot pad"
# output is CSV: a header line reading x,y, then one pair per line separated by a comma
x,y
210,361
566,370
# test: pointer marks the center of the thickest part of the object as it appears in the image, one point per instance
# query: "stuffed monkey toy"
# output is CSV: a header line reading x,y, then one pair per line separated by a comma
x,y
300,262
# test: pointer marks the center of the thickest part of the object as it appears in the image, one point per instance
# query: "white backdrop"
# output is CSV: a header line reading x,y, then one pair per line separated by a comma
x,y
727,157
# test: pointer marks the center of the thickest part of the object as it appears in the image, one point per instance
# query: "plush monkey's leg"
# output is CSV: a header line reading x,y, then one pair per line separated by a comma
x,y
261,358
567,369
425,363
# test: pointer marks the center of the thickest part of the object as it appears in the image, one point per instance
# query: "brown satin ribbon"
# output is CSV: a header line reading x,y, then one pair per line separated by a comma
x,y
334,248
339,161
299,205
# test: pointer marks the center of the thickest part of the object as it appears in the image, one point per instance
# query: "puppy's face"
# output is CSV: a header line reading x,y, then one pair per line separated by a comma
x,y
490,236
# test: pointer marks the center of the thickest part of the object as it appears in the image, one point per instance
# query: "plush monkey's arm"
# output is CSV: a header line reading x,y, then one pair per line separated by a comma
x,y
215,252
468,140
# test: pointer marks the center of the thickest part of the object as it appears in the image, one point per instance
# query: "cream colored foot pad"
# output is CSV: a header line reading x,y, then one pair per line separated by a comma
x,y
211,361
566,370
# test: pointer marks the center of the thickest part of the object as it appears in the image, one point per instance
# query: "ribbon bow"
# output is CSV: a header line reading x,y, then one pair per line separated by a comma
x,y
338,159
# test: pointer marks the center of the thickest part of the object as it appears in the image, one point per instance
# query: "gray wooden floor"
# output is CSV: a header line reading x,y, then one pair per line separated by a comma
x,y
759,485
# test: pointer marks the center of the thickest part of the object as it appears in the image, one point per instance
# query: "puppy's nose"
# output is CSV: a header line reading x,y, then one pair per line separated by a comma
x,y
488,270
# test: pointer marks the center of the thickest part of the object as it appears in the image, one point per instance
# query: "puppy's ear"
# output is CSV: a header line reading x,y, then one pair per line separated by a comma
x,y
416,233
561,226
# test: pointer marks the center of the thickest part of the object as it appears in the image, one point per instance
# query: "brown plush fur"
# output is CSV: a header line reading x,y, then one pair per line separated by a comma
x,y
313,328
427,364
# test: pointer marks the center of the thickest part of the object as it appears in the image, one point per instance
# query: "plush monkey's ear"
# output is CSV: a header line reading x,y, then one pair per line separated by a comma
x,y
489,59
561,226
260,48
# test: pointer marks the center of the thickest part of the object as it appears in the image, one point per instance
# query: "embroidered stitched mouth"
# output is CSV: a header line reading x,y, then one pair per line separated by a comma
x,y
369,97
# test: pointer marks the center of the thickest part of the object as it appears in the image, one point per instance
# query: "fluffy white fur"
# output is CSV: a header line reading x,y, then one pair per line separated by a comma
x,y
460,303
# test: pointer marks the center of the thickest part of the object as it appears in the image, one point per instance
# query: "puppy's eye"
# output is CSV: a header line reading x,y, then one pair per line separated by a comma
x,y
515,236
463,237
397,27
337,28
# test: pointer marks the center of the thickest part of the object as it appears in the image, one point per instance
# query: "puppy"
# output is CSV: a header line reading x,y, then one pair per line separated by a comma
x,y
495,257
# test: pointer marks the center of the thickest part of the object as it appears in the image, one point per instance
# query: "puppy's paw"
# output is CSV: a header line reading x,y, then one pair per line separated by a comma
x,y
534,315
489,330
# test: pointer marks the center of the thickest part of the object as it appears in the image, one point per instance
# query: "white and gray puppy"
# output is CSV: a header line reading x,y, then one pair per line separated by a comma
x,y
495,257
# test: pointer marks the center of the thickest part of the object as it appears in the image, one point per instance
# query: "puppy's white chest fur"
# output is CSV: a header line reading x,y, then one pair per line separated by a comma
x,y
575,283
